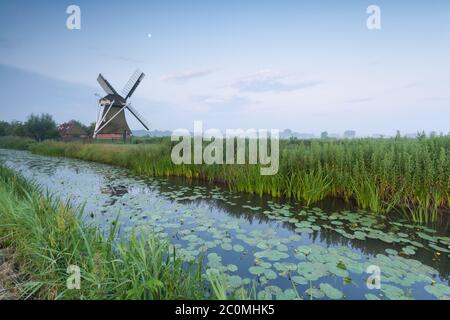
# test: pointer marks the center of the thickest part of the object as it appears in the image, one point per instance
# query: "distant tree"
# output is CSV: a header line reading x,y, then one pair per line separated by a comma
x,y
324,135
5,128
90,129
350,134
421,135
72,130
17,128
41,127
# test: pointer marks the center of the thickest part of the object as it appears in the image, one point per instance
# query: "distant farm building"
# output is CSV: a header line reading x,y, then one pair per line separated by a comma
x,y
72,130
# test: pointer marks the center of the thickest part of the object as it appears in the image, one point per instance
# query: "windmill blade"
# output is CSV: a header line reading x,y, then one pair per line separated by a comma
x,y
110,119
132,84
102,118
106,85
138,116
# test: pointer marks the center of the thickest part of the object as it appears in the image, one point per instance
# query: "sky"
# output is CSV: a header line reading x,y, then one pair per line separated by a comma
x,y
309,66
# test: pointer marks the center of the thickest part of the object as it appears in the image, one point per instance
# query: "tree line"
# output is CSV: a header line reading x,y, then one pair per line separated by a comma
x,y
42,127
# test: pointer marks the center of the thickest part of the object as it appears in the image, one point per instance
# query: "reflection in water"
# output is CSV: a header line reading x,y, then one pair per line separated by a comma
x,y
243,231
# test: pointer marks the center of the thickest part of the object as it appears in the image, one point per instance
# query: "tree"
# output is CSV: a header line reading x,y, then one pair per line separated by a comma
x,y
41,127
90,129
5,128
324,135
17,128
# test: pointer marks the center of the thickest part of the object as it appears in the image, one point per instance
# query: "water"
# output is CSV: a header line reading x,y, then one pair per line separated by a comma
x,y
285,250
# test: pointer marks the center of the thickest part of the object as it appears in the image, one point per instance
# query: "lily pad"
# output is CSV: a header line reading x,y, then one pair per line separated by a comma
x,y
330,291
438,290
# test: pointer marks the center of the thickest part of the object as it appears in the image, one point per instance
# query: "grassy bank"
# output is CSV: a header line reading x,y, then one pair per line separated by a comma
x,y
46,237
412,175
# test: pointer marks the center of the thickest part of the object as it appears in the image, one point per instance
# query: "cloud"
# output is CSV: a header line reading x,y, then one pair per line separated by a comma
x,y
359,100
121,58
410,85
269,81
186,75
436,98
221,102
48,93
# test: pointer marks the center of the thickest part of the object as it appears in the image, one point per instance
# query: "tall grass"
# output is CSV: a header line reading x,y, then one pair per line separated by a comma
x,y
18,143
47,236
377,174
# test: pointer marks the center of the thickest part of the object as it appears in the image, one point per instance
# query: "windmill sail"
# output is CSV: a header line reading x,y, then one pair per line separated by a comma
x,y
132,84
138,116
105,85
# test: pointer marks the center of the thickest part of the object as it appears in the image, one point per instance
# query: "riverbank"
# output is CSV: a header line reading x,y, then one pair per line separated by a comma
x,y
46,236
380,175
8,276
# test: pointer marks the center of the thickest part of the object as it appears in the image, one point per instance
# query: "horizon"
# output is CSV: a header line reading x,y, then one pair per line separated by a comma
x,y
302,66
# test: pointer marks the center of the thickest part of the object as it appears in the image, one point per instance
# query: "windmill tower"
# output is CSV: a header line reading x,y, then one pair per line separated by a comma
x,y
111,122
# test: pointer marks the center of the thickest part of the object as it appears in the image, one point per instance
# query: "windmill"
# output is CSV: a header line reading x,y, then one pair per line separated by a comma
x,y
111,122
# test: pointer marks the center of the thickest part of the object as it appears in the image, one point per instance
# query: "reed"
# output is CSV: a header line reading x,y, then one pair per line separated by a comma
x,y
18,143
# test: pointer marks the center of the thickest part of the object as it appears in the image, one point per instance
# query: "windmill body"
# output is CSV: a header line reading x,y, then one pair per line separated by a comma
x,y
111,121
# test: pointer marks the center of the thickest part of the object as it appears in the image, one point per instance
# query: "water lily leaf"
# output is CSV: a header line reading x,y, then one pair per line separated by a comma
x,y
288,294
299,280
235,281
256,270
409,250
370,296
311,271
393,293
391,252
213,257
272,255
435,247
232,268
336,270
438,290
282,247
330,291
270,274
273,289
227,246
304,230
426,237
315,293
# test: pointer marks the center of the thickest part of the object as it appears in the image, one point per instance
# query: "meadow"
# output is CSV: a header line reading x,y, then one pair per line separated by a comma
x,y
381,175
